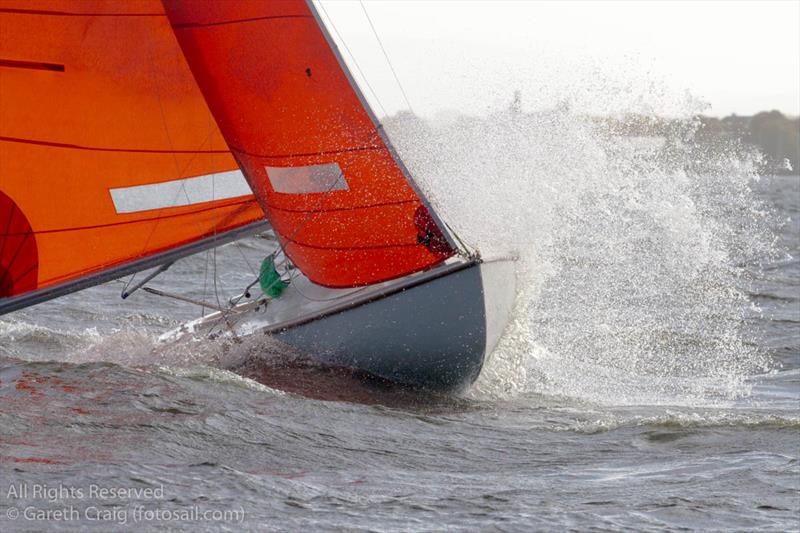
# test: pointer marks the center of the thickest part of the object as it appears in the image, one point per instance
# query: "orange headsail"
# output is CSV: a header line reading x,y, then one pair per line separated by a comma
x,y
110,161
334,190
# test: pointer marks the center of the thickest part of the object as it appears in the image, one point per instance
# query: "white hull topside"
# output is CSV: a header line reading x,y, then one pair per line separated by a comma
x,y
433,329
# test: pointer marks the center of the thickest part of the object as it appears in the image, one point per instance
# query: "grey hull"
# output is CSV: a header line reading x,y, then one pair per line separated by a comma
x,y
435,334
432,329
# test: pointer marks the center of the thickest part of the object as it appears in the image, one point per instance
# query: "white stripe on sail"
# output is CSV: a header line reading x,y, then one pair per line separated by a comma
x,y
306,179
189,191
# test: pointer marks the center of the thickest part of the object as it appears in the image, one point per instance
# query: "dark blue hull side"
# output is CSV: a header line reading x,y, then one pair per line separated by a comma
x,y
431,335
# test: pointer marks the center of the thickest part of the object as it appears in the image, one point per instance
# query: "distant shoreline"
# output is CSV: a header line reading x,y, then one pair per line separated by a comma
x,y
774,134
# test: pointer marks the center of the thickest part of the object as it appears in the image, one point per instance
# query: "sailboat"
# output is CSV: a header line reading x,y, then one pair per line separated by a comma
x,y
134,133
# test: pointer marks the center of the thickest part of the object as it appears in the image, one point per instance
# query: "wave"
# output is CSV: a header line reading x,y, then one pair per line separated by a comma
x,y
635,256
690,420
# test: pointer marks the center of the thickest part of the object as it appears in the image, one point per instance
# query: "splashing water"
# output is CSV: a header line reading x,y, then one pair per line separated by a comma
x,y
635,251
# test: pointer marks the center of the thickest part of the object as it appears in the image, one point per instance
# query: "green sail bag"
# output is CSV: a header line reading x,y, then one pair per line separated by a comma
x,y
271,283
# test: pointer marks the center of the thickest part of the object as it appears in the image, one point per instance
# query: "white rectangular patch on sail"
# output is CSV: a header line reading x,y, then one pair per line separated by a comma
x,y
306,179
176,193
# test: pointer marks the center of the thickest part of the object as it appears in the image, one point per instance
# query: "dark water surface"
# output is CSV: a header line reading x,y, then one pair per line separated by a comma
x,y
107,431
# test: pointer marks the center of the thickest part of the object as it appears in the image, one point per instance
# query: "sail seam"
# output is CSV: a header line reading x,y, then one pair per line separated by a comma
x,y
107,149
157,151
124,222
346,248
32,65
335,209
20,247
31,268
309,154
184,25
21,11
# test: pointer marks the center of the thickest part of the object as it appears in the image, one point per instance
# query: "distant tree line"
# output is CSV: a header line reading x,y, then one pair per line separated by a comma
x,y
774,134
777,136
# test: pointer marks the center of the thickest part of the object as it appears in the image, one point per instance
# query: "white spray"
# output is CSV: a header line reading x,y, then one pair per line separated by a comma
x,y
635,251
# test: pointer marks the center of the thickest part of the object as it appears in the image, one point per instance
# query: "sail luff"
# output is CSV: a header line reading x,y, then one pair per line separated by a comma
x,y
379,127
313,152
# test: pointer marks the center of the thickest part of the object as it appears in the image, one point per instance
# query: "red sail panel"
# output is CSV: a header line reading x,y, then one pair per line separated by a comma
x,y
108,153
334,191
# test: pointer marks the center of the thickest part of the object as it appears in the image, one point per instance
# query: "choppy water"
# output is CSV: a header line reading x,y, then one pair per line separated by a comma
x,y
650,380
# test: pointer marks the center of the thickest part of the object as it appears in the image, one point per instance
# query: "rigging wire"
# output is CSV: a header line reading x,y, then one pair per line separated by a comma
x,y
244,257
309,215
179,172
355,62
208,252
462,248
388,61
205,281
214,251
466,252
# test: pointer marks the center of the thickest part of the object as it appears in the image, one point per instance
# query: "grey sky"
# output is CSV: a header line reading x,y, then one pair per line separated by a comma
x,y
665,56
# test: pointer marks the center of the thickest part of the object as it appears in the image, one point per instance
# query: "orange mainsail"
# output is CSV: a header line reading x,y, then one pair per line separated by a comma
x,y
337,195
110,161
